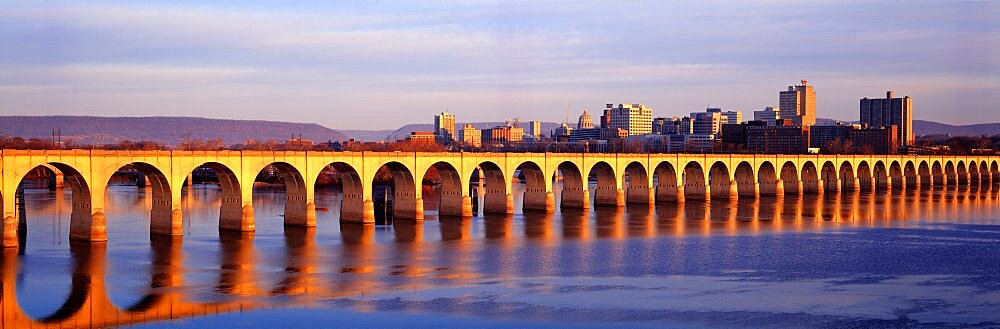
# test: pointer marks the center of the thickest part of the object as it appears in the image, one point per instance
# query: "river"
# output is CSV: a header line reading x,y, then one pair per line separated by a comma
x,y
928,258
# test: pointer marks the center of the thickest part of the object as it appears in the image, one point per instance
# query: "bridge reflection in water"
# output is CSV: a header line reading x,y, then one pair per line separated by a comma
x,y
468,250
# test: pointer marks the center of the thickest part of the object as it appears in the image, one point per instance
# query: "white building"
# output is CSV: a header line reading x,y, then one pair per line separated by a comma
x,y
636,118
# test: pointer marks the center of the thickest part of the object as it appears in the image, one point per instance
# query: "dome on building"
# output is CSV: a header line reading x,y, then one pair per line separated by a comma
x,y
586,122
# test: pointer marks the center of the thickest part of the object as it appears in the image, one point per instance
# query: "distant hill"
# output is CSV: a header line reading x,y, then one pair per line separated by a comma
x,y
923,127
367,135
166,130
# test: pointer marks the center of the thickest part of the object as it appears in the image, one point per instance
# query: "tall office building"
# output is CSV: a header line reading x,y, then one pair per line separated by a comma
x,y
636,118
534,130
798,104
890,111
444,126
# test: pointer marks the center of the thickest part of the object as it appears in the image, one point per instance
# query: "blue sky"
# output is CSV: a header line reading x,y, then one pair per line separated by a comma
x,y
378,65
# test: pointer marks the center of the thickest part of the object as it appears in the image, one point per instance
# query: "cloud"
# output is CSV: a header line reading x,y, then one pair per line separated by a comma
x,y
485,61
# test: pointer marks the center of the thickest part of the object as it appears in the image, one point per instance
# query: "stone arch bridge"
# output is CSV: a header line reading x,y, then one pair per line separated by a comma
x,y
582,178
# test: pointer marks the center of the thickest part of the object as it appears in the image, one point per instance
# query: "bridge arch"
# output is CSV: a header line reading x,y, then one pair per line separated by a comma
x,y
984,172
352,190
536,193
495,195
829,177
810,178
973,169
881,175
746,180
865,178
790,178
848,179
767,177
236,212
950,173
164,218
995,171
295,208
450,201
896,179
636,182
924,171
910,173
606,188
721,182
937,173
572,195
961,173
694,181
87,222
666,183
399,178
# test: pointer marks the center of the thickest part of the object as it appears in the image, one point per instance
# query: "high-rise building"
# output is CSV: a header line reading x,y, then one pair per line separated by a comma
x,y
707,123
636,118
890,111
534,130
585,121
606,117
798,104
444,126
770,115
472,136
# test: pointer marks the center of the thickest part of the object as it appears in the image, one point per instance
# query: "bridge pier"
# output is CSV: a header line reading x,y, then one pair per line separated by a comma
x,y
779,187
235,218
550,202
679,197
734,190
620,198
585,201
11,238
820,189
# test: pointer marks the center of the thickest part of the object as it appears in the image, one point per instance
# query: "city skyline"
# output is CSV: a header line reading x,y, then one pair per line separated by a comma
x,y
308,63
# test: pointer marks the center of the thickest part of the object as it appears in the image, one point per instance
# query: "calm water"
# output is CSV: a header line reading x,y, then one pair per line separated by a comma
x,y
929,258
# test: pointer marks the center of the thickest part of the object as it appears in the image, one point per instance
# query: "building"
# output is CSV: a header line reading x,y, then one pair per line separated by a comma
x,y
472,136
707,123
564,131
534,130
606,117
769,115
798,103
890,111
732,117
444,127
422,137
698,143
881,140
503,134
637,119
585,121
785,138
672,125
578,135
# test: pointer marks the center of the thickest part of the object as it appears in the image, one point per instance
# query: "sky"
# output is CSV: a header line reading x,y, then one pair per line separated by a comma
x,y
383,64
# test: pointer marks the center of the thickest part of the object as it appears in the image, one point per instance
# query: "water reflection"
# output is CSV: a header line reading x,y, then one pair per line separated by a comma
x,y
440,266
